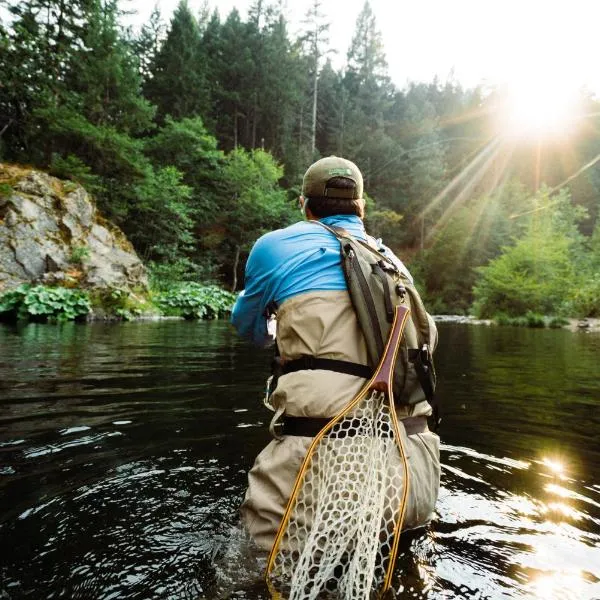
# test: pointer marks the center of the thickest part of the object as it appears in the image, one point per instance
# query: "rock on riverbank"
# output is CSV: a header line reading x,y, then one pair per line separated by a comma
x,y
586,325
52,233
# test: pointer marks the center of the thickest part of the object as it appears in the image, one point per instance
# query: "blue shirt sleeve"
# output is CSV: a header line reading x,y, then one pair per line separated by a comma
x,y
248,315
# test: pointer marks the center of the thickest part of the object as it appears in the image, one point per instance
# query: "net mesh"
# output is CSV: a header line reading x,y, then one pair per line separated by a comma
x,y
339,534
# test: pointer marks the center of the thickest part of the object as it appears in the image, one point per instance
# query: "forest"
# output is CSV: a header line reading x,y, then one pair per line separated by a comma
x,y
193,134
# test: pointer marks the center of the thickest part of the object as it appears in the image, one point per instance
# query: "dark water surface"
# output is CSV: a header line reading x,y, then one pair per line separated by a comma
x,y
124,450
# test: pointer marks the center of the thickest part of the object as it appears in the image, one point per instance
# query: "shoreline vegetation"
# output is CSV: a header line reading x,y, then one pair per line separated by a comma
x,y
195,301
187,300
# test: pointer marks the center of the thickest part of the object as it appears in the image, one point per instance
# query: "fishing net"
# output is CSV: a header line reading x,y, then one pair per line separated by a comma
x,y
339,535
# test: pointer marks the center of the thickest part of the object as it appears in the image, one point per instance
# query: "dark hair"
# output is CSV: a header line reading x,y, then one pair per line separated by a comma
x,y
325,206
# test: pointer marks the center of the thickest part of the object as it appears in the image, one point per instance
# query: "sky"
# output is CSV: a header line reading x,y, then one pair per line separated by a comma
x,y
553,42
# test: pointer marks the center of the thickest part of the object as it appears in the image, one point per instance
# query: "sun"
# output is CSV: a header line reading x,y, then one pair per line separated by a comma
x,y
538,108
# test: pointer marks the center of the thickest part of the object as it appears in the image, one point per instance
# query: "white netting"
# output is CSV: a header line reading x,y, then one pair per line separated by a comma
x,y
338,538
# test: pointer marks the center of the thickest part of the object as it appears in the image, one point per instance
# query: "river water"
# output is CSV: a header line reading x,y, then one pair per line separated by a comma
x,y
124,450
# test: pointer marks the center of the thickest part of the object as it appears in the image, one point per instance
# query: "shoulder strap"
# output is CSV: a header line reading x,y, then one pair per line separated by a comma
x,y
340,233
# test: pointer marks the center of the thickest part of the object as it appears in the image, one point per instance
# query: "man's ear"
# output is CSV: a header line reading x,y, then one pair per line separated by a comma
x,y
302,203
362,204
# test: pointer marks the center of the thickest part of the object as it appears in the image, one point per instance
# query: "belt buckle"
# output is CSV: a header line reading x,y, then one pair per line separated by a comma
x,y
276,426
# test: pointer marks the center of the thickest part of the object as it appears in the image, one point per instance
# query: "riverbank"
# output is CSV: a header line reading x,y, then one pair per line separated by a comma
x,y
588,325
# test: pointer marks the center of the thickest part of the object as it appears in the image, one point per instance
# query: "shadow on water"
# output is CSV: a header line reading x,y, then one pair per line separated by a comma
x,y
124,450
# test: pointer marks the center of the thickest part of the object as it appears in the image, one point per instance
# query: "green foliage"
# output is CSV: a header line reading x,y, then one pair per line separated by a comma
x,y
5,189
161,219
72,167
469,237
40,303
539,272
585,298
195,301
252,203
529,319
557,322
177,77
164,276
385,224
187,146
80,255
11,301
121,303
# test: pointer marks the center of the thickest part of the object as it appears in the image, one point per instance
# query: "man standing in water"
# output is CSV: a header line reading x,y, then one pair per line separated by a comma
x,y
297,273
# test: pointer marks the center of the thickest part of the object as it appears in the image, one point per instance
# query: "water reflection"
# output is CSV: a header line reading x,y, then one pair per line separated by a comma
x,y
124,451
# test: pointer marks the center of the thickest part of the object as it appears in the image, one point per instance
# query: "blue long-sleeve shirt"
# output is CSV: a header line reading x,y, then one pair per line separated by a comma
x,y
288,262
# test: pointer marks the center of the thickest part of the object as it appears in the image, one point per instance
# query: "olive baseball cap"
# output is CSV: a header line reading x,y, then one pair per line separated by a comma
x,y
317,176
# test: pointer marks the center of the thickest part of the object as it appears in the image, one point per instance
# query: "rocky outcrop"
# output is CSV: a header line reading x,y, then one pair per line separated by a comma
x,y
51,233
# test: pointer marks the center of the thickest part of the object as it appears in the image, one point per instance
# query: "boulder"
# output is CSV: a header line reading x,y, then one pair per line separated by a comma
x,y
52,233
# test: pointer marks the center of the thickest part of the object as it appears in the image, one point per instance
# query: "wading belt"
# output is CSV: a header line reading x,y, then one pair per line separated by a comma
x,y
310,426
328,364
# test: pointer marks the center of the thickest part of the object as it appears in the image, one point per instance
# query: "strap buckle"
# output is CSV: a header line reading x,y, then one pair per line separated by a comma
x,y
277,423
425,357
309,362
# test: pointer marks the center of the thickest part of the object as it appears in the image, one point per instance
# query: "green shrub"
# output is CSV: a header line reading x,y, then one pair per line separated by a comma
x,y
557,322
535,320
41,303
11,303
529,319
5,189
164,277
585,300
121,303
195,301
80,255
72,167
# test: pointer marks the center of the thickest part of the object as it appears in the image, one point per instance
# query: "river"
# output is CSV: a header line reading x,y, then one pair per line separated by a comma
x,y
124,450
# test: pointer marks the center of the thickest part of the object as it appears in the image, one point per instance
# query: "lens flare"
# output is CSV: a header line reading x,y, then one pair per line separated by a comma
x,y
539,109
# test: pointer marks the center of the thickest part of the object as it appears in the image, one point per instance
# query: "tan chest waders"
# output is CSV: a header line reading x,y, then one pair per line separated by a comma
x,y
339,534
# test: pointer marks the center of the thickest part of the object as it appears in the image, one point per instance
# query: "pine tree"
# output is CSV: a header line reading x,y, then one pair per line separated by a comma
x,y
37,52
366,78
178,83
147,44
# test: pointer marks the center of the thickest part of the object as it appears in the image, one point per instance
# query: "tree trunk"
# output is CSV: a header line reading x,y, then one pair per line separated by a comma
x,y
314,110
236,261
300,125
235,129
254,121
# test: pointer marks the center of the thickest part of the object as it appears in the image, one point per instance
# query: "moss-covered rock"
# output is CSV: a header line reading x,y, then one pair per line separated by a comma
x,y
52,233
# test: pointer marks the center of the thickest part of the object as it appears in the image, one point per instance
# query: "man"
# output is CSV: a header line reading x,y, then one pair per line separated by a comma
x,y
297,272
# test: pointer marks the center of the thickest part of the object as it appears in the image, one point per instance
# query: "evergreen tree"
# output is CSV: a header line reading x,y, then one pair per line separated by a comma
x,y
232,73
366,77
147,44
178,83
36,55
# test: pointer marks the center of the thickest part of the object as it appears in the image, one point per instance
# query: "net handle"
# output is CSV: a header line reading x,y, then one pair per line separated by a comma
x,y
382,380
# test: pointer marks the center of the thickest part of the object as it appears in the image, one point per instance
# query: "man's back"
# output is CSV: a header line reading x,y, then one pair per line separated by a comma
x,y
288,262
